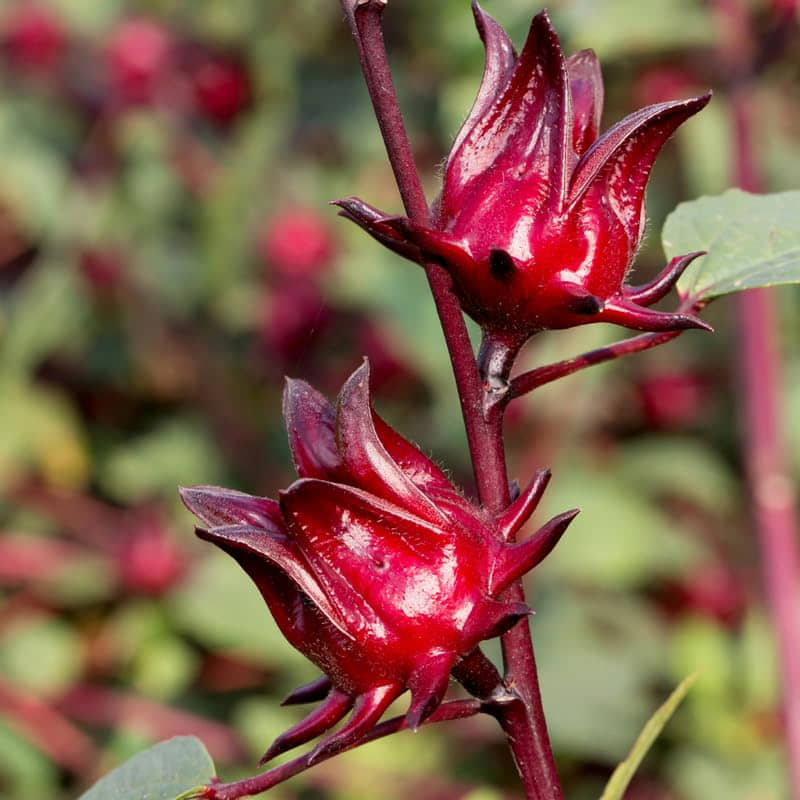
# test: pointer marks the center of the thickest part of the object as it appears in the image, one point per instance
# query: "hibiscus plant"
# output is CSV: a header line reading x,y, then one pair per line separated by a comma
x,y
373,564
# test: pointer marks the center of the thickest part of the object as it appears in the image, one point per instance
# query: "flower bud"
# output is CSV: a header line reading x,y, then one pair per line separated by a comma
x,y
373,565
539,219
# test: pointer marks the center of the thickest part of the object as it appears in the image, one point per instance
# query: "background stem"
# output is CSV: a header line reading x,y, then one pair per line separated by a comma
x,y
771,490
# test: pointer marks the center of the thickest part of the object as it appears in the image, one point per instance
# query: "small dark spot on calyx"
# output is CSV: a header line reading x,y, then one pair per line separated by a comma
x,y
501,265
587,305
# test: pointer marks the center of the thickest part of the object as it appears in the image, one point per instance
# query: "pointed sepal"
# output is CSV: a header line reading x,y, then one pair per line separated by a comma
x,y
428,684
279,551
309,693
368,709
521,144
216,507
653,291
515,560
495,617
381,227
499,65
618,164
311,425
517,514
629,314
321,719
367,461
586,85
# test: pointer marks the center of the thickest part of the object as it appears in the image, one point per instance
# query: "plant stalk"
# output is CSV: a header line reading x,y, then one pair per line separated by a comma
x,y
523,723
772,495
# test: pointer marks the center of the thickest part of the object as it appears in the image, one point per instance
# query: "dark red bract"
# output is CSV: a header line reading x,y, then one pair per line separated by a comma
x,y
372,564
539,219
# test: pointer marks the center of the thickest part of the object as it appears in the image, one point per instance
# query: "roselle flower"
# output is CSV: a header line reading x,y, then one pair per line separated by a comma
x,y
372,564
539,219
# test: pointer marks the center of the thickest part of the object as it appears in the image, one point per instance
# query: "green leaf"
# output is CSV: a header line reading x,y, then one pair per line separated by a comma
x,y
236,619
176,767
620,539
622,775
578,633
679,466
48,314
620,28
40,654
40,430
752,241
176,451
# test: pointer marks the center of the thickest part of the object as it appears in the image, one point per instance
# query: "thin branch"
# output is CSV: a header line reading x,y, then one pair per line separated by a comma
x,y
524,723
456,709
535,378
479,676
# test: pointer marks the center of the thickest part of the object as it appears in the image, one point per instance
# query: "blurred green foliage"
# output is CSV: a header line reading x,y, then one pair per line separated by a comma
x,y
165,260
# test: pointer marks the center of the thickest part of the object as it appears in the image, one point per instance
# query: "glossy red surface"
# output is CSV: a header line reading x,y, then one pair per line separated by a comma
x,y
539,220
372,563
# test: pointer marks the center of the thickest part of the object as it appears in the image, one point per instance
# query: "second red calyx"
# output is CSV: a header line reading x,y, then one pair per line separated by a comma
x,y
373,565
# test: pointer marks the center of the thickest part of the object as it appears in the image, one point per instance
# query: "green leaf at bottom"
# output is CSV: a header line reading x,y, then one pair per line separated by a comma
x,y
752,241
622,775
162,772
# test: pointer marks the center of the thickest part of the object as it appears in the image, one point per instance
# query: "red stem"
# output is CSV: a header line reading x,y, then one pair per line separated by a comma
x,y
524,723
457,709
365,18
771,488
535,378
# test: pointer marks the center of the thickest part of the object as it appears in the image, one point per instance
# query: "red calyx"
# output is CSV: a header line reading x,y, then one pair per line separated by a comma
x,y
221,87
297,243
35,37
138,58
539,218
372,564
